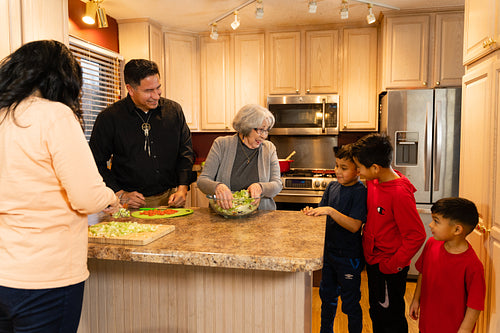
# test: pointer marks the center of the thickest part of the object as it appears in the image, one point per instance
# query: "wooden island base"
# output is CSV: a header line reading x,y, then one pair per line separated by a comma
x,y
210,274
126,297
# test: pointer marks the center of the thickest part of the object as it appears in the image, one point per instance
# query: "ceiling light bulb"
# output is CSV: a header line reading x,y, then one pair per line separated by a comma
x,y
236,22
344,11
370,18
90,10
259,9
214,34
312,6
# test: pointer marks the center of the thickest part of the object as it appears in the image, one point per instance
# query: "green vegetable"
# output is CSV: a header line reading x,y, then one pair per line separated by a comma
x,y
242,204
117,229
122,212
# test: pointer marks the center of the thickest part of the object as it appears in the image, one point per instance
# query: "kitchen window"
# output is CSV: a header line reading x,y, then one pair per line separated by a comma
x,y
101,69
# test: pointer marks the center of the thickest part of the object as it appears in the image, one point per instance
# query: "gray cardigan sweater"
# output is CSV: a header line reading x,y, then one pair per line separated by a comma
x,y
219,164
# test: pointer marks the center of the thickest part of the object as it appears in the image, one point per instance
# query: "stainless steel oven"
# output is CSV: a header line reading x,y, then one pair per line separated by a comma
x,y
304,115
303,187
311,170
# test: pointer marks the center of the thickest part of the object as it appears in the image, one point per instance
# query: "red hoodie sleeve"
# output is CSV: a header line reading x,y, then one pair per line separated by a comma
x,y
412,233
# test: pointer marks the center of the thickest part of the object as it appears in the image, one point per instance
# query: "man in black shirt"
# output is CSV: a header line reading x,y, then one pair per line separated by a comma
x,y
148,141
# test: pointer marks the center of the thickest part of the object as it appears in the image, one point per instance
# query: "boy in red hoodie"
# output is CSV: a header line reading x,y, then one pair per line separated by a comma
x,y
393,232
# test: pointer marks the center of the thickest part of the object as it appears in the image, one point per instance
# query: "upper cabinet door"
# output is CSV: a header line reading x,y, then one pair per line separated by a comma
x,y
482,29
284,63
448,45
216,88
182,75
322,61
249,70
359,100
406,52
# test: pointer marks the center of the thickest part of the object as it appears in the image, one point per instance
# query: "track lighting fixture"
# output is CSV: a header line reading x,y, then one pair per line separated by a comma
x,y
90,11
236,22
214,34
370,18
259,9
344,10
313,6
93,8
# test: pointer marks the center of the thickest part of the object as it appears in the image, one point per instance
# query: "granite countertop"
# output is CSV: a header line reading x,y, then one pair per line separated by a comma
x,y
286,241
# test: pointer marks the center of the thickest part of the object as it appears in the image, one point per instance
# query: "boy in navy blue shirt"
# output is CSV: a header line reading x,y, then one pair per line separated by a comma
x,y
344,204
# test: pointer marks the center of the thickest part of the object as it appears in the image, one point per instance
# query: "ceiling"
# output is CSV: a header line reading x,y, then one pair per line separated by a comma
x,y
195,15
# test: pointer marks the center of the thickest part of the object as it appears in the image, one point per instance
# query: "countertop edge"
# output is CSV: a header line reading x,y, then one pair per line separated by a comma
x,y
209,259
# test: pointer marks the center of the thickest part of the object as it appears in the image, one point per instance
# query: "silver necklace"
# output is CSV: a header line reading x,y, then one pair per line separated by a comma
x,y
145,128
249,158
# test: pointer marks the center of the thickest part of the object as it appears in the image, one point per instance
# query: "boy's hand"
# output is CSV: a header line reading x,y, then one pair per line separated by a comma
x,y
414,310
325,210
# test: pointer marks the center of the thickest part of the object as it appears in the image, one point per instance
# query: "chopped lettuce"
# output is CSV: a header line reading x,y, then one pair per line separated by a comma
x,y
117,229
243,204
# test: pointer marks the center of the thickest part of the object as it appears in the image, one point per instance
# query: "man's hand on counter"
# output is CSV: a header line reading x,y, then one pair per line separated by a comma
x,y
178,199
132,199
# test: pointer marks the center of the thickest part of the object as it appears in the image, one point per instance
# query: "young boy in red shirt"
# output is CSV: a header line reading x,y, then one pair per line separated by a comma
x,y
393,232
450,289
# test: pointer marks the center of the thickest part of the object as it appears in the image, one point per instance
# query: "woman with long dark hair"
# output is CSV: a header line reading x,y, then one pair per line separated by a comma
x,y
48,185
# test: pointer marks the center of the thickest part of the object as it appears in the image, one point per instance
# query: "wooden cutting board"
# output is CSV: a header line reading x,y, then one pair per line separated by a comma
x,y
180,212
142,238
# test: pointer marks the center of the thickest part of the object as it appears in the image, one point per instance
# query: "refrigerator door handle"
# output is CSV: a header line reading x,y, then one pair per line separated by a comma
x,y
438,144
428,148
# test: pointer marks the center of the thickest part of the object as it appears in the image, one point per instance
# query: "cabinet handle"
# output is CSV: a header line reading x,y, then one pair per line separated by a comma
x,y
488,42
308,91
345,126
482,229
424,83
438,83
297,91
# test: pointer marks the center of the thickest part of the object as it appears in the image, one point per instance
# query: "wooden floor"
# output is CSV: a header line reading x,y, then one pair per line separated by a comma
x,y
340,324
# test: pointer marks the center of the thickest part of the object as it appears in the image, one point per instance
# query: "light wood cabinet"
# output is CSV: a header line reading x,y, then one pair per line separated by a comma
x,y
216,85
406,52
182,75
482,29
26,21
309,67
480,173
422,51
359,101
322,61
447,68
141,39
284,63
249,70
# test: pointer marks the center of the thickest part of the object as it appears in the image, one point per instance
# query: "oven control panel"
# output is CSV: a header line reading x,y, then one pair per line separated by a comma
x,y
306,183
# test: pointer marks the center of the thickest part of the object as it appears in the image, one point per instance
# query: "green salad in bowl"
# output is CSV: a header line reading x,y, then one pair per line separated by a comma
x,y
242,204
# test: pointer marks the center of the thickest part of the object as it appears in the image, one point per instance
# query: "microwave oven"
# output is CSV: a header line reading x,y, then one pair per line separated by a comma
x,y
304,115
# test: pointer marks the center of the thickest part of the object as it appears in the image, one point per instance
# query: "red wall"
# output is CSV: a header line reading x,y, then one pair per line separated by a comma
x,y
105,37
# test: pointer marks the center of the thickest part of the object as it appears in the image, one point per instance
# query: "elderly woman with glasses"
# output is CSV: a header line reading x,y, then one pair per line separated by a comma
x,y
245,160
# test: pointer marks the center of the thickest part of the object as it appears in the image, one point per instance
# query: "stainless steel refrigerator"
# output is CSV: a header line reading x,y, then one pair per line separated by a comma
x,y
424,127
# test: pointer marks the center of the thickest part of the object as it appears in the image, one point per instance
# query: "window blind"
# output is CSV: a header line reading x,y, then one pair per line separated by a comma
x,y
101,69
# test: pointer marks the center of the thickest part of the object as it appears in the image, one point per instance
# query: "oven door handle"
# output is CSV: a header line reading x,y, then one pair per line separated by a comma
x,y
300,195
323,125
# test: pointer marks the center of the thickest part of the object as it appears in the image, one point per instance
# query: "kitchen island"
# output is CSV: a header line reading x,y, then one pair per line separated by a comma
x,y
210,274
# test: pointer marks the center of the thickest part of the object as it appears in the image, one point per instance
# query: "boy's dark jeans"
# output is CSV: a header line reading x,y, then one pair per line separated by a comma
x,y
341,276
386,297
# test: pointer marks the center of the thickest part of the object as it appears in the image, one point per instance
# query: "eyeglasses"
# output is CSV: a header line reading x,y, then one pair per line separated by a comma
x,y
261,131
